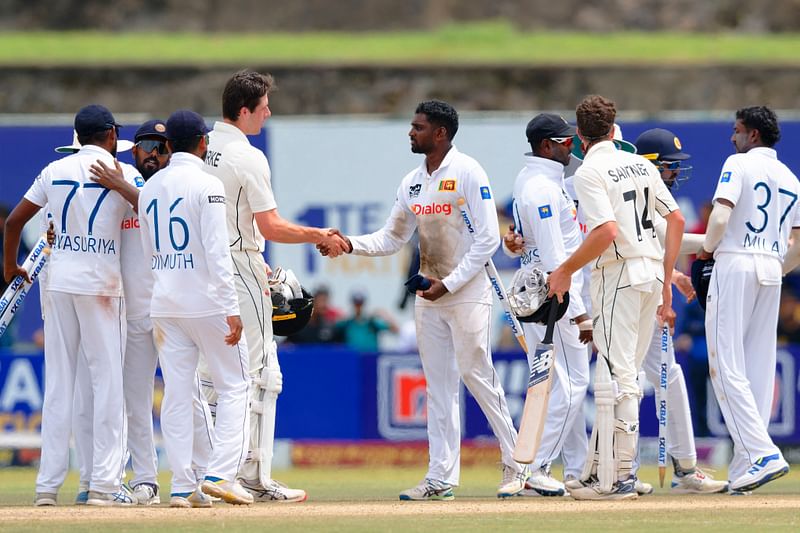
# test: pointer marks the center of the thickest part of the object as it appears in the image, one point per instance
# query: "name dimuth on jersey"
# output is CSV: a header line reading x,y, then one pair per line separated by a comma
x,y
88,244
175,261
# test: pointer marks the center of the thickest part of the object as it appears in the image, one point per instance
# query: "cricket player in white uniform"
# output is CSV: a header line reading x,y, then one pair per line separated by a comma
x,y
84,289
664,150
755,211
252,216
194,308
453,315
620,194
141,357
545,219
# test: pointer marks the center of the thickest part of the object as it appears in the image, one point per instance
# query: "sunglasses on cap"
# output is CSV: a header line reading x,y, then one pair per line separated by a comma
x,y
561,140
148,145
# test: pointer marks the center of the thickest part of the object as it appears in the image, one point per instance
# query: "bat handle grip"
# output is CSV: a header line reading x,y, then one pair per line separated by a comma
x,y
551,323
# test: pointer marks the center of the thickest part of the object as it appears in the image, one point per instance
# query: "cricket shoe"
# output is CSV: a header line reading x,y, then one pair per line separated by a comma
x,y
229,491
642,488
764,470
274,492
146,494
542,483
82,497
696,482
621,490
122,497
429,489
185,500
44,499
513,481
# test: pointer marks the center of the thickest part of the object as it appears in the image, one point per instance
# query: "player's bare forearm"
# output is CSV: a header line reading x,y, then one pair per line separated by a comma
x,y
277,229
792,258
672,244
114,179
595,244
16,220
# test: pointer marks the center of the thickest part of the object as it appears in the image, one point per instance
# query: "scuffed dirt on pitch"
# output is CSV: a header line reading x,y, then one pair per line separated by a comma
x,y
162,513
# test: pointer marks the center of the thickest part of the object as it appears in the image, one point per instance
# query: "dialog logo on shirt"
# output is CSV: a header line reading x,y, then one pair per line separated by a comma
x,y
432,209
447,185
545,211
130,223
414,190
725,178
486,194
216,199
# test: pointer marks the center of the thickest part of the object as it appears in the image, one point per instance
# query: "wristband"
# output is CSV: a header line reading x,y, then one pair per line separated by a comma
x,y
586,325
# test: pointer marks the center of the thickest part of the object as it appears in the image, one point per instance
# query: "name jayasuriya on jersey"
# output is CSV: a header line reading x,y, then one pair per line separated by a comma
x,y
88,244
174,261
628,171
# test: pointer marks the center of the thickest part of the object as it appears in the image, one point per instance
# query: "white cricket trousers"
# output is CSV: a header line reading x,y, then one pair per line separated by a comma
x,y
741,332
93,328
179,341
454,345
680,433
570,381
624,319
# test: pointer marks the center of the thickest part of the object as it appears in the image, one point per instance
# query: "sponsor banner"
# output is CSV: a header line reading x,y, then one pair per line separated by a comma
x,y
384,454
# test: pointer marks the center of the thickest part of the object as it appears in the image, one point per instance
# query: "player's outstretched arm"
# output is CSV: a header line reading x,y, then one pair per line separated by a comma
x,y
715,230
595,244
277,229
672,245
114,179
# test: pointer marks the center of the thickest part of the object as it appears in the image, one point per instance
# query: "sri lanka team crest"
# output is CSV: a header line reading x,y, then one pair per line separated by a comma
x,y
447,185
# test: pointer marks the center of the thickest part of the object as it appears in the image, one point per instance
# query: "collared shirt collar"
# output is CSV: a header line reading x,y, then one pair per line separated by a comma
x,y
766,151
448,158
185,158
93,148
603,147
552,170
230,129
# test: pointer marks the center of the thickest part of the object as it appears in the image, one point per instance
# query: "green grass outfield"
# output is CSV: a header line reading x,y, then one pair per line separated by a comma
x,y
461,44
366,500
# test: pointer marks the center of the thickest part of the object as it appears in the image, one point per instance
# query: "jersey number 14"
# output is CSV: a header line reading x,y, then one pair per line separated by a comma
x,y
646,223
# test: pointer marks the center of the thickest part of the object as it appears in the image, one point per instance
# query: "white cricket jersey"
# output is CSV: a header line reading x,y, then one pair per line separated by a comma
x,y
182,219
613,185
546,217
137,277
764,194
244,171
85,258
586,271
448,250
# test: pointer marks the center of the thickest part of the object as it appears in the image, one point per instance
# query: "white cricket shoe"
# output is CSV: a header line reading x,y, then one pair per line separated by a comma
x,y
764,470
122,497
621,490
146,494
274,492
697,482
186,500
229,491
642,488
429,489
45,499
513,481
542,483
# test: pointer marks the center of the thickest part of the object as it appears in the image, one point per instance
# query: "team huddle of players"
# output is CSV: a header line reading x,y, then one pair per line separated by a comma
x,y
183,283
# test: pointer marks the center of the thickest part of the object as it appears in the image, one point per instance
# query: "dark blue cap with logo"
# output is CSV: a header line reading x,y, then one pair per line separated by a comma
x,y
548,126
185,124
94,118
659,144
151,128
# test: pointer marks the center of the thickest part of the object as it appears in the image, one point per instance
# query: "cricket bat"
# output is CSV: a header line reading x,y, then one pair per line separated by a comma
x,y
12,298
535,411
662,407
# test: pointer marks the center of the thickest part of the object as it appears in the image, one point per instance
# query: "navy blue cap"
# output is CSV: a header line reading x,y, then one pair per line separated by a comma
x,y
94,118
151,128
547,126
185,124
659,144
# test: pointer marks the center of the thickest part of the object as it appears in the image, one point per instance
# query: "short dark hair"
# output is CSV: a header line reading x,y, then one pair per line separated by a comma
x,y
595,115
186,145
764,120
96,138
440,114
245,89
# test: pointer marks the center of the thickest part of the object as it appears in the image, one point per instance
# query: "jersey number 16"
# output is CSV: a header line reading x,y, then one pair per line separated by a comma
x,y
174,222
